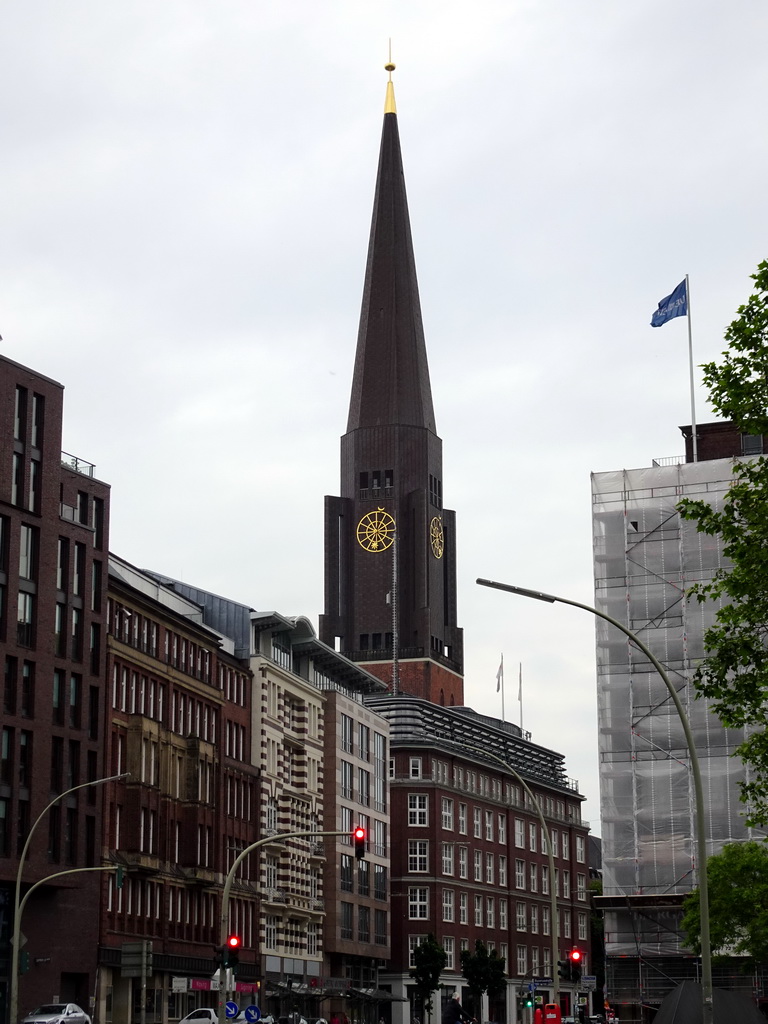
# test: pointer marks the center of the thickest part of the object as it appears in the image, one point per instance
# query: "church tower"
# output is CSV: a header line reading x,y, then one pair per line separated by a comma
x,y
390,546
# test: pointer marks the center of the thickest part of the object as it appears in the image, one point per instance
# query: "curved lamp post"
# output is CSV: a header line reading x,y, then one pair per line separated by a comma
x,y
549,851
701,834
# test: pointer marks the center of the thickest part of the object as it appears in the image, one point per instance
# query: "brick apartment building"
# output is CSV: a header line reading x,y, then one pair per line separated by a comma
x,y
54,530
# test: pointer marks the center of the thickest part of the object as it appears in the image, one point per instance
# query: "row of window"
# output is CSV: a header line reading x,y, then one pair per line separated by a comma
x,y
363,931
492,826
347,877
484,912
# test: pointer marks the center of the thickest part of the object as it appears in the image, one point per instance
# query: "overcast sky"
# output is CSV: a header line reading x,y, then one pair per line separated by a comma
x,y
185,199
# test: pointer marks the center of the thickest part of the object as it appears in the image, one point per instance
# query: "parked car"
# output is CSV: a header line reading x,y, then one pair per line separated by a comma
x,y
208,1015
57,1013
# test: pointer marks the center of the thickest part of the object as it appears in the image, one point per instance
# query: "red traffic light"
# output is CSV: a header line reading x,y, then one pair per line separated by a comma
x,y
575,955
234,942
359,837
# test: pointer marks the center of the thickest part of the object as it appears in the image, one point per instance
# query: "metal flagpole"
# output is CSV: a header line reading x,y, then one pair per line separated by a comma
x,y
690,367
520,695
501,683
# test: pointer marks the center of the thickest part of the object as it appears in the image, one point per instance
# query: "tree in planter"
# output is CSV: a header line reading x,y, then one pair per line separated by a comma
x,y
738,903
734,674
429,959
484,972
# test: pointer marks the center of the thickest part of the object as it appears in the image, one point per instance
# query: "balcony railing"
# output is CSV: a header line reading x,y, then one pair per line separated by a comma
x,y
79,465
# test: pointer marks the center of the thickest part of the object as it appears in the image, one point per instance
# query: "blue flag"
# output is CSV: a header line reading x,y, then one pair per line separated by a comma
x,y
671,306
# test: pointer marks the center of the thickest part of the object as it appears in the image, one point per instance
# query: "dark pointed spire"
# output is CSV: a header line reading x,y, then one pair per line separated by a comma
x,y
391,377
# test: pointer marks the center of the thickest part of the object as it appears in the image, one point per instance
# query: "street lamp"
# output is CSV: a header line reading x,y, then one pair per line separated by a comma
x,y
18,903
549,851
701,834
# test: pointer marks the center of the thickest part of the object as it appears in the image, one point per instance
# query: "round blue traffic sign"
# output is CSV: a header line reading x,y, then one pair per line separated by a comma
x,y
232,1010
252,1013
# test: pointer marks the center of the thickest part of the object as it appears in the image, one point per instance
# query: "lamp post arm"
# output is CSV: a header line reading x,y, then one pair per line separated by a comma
x,y
58,874
701,835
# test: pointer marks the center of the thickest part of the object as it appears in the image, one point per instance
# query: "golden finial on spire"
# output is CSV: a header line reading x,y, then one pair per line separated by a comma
x,y
389,102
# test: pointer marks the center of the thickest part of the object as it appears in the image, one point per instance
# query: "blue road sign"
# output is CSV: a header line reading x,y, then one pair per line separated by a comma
x,y
252,1013
231,1009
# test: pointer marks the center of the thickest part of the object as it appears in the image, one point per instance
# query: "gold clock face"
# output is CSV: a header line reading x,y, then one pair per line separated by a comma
x,y
376,531
436,537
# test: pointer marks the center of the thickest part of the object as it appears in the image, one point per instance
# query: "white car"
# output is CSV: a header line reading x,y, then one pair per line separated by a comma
x,y
57,1013
209,1015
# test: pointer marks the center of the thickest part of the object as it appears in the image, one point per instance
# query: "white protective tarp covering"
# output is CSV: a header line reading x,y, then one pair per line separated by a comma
x,y
646,558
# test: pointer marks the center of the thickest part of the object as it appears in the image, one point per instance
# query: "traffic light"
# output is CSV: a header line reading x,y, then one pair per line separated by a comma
x,y
234,942
23,962
574,959
529,1001
359,837
120,876
220,956
564,969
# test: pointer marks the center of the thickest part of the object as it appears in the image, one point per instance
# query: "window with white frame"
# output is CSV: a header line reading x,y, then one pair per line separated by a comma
x,y
449,947
446,806
545,879
580,849
313,939
566,924
417,808
566,884
489,826
520,874
270,932
463,862
479,911
489,868
502,869
504,954
448,904
534,919
554,842
478,865
534,876
565,846
503,922
463,819
490,911
522,961
417,854
534,960
414,768
581,924
463,908
413,942
521,917
532,830
501,824
463,944
477,822
581,887
519,833
545,920
418,903
447,858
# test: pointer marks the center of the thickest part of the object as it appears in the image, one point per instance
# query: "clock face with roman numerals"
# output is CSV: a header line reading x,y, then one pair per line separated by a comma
x,y
436,537
376,531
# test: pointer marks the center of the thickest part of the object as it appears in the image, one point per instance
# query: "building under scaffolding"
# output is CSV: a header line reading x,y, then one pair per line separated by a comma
x,y
646,559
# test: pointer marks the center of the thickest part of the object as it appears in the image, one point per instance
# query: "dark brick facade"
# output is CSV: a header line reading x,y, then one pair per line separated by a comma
x,y
721,440
53,566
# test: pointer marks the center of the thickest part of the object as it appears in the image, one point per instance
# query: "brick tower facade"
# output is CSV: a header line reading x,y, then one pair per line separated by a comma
x,y
390,545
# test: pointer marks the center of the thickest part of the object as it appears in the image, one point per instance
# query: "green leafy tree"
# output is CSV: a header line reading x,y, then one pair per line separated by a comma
x,y
484,972
734,675
429,959
738,903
